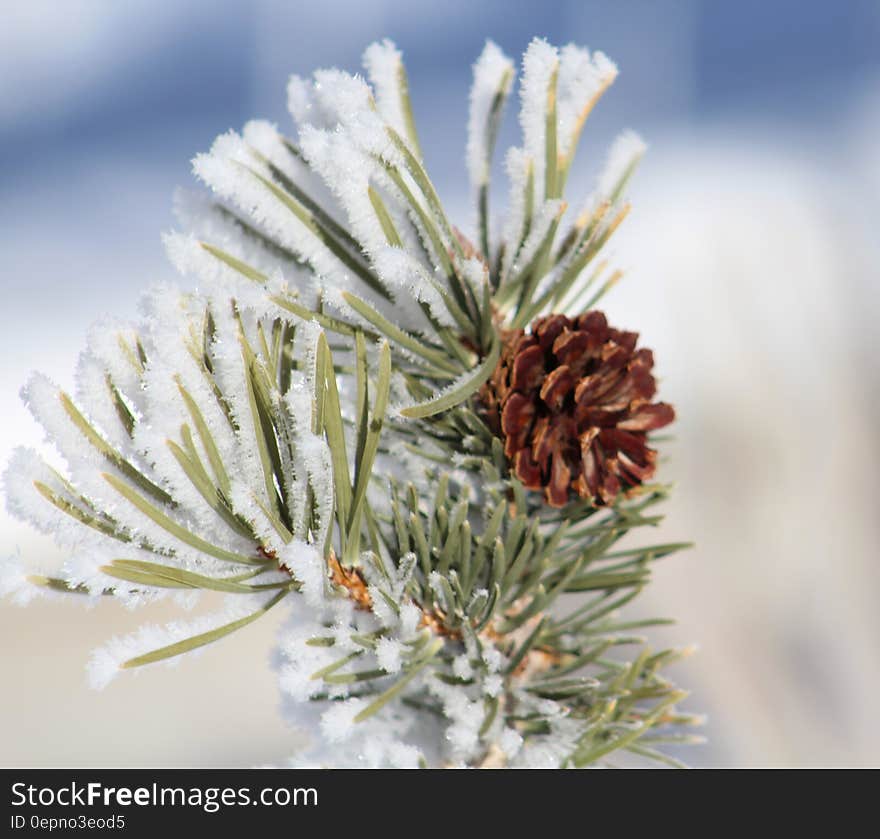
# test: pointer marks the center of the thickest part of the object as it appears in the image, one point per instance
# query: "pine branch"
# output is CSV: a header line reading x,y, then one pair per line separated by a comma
x,y
436,453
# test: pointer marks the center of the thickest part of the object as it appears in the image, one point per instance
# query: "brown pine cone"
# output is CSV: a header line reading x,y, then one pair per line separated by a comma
x,y
571,399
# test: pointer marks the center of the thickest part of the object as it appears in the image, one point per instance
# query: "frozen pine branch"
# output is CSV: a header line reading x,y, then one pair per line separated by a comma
x,y
427,446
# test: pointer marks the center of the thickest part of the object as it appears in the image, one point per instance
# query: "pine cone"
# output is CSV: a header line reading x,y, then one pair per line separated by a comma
x,y
571,399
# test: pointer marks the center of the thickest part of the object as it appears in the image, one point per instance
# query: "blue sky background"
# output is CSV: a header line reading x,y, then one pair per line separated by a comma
x,y
92,89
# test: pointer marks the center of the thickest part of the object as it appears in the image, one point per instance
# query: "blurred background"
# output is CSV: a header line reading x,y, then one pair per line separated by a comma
x,y
751,259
